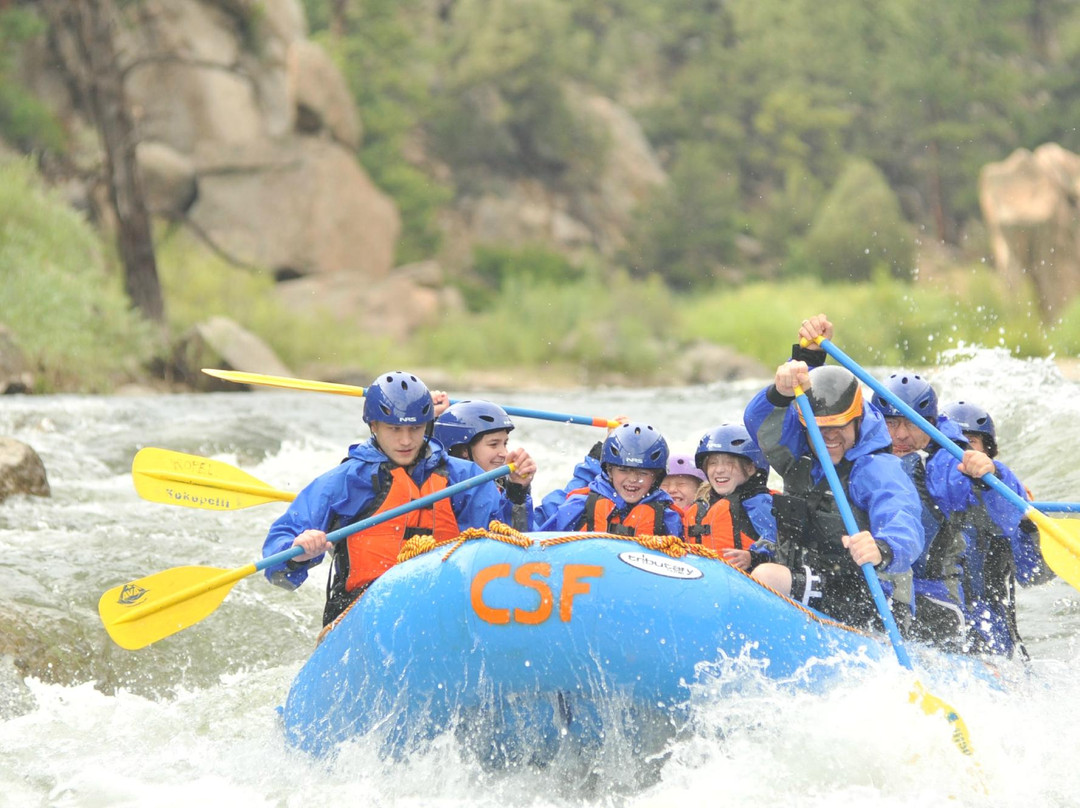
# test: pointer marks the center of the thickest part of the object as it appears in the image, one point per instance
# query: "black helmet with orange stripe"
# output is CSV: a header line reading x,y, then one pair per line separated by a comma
x,y
835,396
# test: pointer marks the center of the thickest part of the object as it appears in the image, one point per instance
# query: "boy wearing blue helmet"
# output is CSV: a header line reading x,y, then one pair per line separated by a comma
x,y
733,514
625,498
480,431
396,465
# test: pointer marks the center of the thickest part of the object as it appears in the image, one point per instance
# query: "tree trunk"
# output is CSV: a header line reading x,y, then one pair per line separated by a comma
x,y
93,65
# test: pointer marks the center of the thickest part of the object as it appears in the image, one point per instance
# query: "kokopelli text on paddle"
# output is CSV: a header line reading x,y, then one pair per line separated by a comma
x,y
184,496
503,593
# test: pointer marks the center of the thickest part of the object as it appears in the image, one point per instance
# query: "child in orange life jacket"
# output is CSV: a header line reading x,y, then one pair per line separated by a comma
x,y
683,479
733,512
480,431
396,465
625,498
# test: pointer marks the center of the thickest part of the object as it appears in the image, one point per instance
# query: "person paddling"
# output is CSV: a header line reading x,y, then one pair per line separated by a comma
x,y
480,431
625,498
1001,546
818,562
938,594
395,465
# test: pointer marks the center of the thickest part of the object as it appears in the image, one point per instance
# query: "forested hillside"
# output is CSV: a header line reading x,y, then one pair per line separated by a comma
x,y
769,155
800,137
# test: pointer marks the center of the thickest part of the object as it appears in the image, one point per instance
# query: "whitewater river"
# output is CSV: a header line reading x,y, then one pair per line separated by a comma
x,y
191,720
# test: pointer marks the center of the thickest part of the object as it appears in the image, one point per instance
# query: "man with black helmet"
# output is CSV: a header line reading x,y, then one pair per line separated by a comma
x,y
818,563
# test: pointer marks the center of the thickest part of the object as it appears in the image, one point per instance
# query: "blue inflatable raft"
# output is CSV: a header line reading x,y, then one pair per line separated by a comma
x,y
524,644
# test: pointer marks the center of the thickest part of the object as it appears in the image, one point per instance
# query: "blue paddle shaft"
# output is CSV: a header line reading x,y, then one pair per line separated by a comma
x,y
818,442
544,415
939,437
1062,507
393,513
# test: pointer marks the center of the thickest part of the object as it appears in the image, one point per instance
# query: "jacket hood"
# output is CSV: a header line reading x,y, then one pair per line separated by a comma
x,y
369,452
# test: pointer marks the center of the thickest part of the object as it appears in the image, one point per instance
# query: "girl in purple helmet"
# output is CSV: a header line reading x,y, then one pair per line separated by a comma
x,y
480,431
625,498
395,465
683,479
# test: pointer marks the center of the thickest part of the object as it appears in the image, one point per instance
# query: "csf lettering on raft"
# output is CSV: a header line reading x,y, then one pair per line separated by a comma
x,y
506,582
197,501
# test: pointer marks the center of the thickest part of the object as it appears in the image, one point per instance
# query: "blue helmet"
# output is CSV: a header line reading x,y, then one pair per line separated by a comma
x,y
466,420
637,445
914,391
730,439
398,398
973,418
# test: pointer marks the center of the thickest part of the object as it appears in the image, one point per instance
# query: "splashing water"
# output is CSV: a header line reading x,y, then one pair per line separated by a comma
x,y
192,719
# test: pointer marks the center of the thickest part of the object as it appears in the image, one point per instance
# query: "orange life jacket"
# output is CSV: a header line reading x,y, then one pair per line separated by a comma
x,y
645,518
375,550
714,526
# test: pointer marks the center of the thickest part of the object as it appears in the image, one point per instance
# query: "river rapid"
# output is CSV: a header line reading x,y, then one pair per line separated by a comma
x,y
191,719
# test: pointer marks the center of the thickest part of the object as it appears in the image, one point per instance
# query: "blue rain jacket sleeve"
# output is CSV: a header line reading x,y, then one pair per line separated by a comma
x,y
880,486
346,491
584,473
759,509
959,492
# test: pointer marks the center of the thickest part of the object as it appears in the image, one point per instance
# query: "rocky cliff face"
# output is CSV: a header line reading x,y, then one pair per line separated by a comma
x,y
1031,206
248,133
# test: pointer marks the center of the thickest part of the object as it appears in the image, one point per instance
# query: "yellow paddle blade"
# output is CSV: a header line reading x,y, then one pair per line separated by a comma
x,y
1059,542
176,478
931,705
149,609
243,377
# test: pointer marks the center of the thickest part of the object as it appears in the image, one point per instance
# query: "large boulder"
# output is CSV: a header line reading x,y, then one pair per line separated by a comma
x,y
1031,206
223,344
298,206
594,214
247,128
21,470
394,307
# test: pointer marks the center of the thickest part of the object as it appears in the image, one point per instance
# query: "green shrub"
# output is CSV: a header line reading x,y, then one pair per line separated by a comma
x,y
25,121
686,232
889,321
585,329
199,284
858,227
68,313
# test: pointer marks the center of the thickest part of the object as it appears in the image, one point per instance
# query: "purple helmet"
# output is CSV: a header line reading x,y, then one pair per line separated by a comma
x,y
398,398
684,464
914,391
466,420
637,445
973,418
730,439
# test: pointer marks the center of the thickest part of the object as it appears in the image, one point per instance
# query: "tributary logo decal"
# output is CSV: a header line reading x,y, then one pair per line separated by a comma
x,y
660,565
